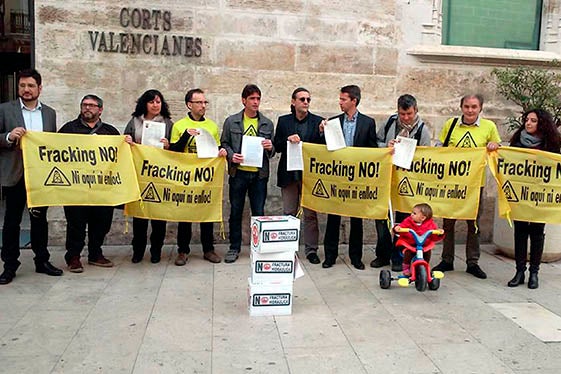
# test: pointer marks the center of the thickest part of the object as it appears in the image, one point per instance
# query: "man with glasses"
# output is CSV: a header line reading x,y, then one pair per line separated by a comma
x,y
183,139
98,219
26,113
299,125
246,180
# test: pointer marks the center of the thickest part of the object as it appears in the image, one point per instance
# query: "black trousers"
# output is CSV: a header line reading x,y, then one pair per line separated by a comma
x,y
331,240
15,204
536,233
385,249
140,232
98,221
184,236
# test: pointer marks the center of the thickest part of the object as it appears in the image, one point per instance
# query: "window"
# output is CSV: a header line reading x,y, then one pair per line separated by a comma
x,y
512,24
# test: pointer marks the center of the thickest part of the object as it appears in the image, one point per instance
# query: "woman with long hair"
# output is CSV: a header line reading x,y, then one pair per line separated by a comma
x,y
150,106
538,131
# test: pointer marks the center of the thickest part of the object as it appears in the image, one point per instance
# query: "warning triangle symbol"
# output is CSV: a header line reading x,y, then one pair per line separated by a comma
x,y
319,190
509,192
404,188
150,194
466,141
56,178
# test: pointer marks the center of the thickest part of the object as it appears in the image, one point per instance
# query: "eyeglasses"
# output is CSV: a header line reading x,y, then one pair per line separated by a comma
x,y
88,105
305,99
199,102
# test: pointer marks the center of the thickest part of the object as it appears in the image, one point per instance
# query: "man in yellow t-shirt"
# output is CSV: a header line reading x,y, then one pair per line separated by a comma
x,y
467,131
183,139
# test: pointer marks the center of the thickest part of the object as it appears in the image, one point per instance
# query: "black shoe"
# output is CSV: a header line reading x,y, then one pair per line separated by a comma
x,y
313,258
445,266
48,268
155,258
476,271
533,281
358,265
378,263
327,264
7,276
397,267
518,279
136,258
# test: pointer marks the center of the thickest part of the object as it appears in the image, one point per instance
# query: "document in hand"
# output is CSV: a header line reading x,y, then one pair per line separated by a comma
x,y
252,151
404,150
294,160
333,133
206,145
152,133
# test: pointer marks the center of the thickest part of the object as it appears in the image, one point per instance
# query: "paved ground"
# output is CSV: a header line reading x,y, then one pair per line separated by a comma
x,y
162,318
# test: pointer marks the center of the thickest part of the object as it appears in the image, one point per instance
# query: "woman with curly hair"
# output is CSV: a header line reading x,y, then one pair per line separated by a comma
x,y
537,132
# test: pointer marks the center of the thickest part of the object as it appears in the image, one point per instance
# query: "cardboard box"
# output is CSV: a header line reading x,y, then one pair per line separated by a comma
x,y
271,234
278,267
269,299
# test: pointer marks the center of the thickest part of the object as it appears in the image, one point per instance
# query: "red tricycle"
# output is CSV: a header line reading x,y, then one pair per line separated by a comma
x,y
421,274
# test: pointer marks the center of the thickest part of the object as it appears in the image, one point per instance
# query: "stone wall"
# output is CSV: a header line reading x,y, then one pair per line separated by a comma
x,y
280,45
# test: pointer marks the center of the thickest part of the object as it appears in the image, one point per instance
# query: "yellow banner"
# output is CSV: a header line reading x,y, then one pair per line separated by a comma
x,y
353,182
529,184
68,169
177,186
449,179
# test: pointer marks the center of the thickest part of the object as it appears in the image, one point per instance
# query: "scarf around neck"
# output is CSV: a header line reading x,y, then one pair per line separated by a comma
x,y
405,129
529,140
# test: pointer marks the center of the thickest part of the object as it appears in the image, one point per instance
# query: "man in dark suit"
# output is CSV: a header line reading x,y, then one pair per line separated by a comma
x,y
359,131
26,113
299,125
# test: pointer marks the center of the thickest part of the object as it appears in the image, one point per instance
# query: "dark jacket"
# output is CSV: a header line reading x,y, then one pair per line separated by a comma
x,y
365,132
11,159
307,129
78,127
231,140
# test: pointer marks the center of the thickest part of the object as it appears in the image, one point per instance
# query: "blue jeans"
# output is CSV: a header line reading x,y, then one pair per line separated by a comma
x,y
243,183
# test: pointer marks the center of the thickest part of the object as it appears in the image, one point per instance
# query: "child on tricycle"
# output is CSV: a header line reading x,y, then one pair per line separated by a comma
x,y
418,234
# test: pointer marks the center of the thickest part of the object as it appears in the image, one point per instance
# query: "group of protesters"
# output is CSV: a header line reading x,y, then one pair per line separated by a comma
x,y
28,113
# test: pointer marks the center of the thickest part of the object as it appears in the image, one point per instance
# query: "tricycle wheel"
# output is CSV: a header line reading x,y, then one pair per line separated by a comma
x,y
385,279
421,278
435,284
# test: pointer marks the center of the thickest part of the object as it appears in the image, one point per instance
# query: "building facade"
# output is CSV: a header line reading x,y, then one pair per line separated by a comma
x,y
436,50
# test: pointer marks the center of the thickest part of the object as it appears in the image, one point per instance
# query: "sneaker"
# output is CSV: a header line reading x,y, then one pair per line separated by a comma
x,y
75,266
378,263
181,259
444,266
102,262
211,256
476,271
231,256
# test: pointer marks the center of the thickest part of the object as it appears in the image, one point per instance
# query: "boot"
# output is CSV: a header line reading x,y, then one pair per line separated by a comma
x,y
518,279
533,281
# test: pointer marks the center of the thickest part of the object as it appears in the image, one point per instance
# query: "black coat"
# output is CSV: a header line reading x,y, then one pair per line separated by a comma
x,y
308,130
365,133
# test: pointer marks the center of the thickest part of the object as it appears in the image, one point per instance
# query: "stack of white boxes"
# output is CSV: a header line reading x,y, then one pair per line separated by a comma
x,y
274,242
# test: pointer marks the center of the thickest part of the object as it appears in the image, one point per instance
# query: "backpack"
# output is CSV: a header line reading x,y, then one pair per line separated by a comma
x,y
393,119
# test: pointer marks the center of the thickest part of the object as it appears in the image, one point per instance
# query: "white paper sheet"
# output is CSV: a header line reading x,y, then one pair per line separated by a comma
x,y
152,133
252,151
404,150
294,158
206,145
333,133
